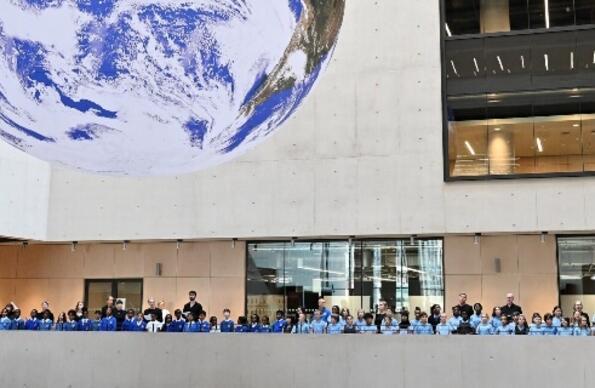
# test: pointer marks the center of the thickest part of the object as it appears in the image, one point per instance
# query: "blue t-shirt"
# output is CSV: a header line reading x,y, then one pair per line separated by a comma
x,y
318,327
192,327
535,329
557,322
334,328
45,325
32,324
128,324
227,326
484,329
5,323
17,324
582,331
423,329
454,322
505,330
85,324
495,322
549,330
108,324
325,314
475,320
565,331
443,329
301,328
389,329
369,329
70,326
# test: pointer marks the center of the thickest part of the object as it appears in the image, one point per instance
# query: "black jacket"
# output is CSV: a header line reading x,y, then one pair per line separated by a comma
x,y
509,310
195,310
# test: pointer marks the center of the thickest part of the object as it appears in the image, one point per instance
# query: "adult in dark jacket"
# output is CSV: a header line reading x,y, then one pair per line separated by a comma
x,y
463,306
509,309
192,306
434,318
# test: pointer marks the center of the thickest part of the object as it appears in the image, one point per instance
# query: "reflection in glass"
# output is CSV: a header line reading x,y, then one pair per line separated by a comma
x,y
576,258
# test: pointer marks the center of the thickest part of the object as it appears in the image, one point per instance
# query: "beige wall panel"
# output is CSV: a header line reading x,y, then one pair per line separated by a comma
x,y
455,284
202,286
229,293
64,293
461,256
539,293
503,247
29,293
537,258
495,288
63,261
8,260
7,291
32,263
99,261
129,263
164,253
226,260
194,259
160,288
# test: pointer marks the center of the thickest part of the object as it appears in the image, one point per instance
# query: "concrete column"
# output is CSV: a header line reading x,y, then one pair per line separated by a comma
x,y
500,152
494,16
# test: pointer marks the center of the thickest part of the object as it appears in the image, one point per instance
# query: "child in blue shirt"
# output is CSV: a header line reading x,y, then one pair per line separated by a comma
x,y
17,322
129,321
360,321
423,328
279,322
71,324
177,324
369,327
475,318
455,320
484,327
335,326
443,328
205,326
582,330
549,328
109,322
46,323
301,327
242,326
318,324
558,317
5,321
496,318
139,324
536,327
265,326
565,330
96,323
506,327
227,325
32,323
254,323
191,326
85,323
387,327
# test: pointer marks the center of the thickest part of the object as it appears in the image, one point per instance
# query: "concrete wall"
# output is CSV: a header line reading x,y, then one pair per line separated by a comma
x,y
528,268
56,273
193,360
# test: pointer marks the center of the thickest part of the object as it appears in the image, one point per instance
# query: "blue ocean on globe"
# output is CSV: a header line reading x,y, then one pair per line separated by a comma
x,y
153,87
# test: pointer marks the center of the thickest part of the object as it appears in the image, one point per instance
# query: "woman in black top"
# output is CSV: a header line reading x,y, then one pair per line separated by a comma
x,y
434,318
521,327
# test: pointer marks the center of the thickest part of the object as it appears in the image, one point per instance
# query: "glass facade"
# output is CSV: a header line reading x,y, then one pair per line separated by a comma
x,y
98,290
520,104
576,260
286,275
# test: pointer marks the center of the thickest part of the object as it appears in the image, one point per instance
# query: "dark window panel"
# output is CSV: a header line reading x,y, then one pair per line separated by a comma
x,y
519,14
462,16
585,11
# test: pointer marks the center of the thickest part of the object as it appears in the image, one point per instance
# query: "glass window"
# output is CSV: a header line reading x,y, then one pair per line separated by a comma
x,y
462,17
129,290
576,260
284,276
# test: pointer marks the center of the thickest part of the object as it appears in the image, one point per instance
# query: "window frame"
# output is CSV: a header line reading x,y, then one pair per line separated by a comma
x,y
114,282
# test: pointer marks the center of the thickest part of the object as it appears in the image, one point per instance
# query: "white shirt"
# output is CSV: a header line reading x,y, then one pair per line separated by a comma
x,y
154,326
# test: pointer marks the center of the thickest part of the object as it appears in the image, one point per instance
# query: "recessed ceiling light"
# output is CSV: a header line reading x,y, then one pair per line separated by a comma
x,y
497,129
576,125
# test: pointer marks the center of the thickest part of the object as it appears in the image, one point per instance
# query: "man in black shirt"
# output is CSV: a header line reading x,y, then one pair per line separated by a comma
x,y
381,313
120,314
45,306
192,306
109,304
153,309
510,308
463,306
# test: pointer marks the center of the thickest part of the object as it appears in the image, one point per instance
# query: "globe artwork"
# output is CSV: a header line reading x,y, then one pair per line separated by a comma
x,y
154,87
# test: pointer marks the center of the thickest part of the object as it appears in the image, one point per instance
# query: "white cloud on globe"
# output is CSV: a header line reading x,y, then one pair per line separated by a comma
x,y
141,87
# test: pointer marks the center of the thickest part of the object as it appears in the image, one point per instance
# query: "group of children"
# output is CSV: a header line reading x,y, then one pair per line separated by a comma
x,y
322,321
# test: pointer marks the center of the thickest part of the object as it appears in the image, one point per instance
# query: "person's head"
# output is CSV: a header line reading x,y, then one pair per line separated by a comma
x,y
369,318
436,310
86,314
80,306
192,295
226,313
108,311
97,314
504,320
140,317
583,322
423,317
477,308
190,317
9,308
548,319
349,320
71,315
417,313
484,318
119,305
178,314
168,318
130,314
462,298
335,319
151,302
515,316
46,314
345,312
316,315
578,306
302,317
465,315
496,312
360,314
213,321
576,316
382,305
202,315
16,313
110,301
279,315
443,318
456,311
321,303
45,305
161,304
509,298
521,320
61,317
536,319
254,318
4,312
265,320
335,310
387,321
557,311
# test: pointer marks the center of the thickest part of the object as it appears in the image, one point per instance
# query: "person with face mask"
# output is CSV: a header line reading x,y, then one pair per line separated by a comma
x,y
192,306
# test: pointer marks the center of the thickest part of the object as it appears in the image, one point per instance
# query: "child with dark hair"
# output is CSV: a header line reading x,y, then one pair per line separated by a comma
x,y
139,323
168,326
522,328
465,327
32,323
549,328
46,323
496,317
423,327
265,324
96,323
129,321
536,327
17,322
565,330
334,327
191,326
205,326
456,318
404,324
302,326
475,318
557,316
242,326
369,327
387,327
108,323
214,325
5,321
583,329
279,322
71,324
289,323
84,321
178,321
60,322
254,323
227,323
505,327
